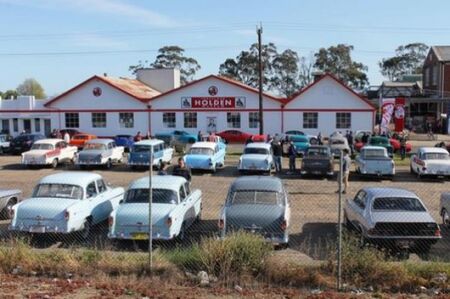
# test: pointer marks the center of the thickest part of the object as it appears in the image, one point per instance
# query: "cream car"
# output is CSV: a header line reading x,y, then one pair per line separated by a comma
x,y
48,152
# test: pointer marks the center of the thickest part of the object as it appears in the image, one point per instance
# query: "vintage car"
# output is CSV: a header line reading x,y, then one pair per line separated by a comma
x,y
312,139
374,161
139,154
318,160
395,143
214,138
205,156
8,198
382,141
257,204
71,132
338,143
181,136
430,161
234,136
257,157
100,152
80,139
49,152
174,208
64,203
23,143
126,141
4,143
444,208
395,218
301,143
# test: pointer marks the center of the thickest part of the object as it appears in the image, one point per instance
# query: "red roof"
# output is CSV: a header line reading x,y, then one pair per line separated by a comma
x,y
328,75
131,87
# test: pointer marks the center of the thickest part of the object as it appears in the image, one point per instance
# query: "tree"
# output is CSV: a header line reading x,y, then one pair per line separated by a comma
x,y
285,76
408,60
31,87
338,61
11,93
306,69
172,57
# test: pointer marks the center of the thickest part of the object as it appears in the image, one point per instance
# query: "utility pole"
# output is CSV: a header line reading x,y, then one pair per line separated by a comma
x,y
260,68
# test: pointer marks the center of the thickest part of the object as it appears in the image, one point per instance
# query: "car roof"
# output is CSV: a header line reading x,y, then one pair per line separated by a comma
x,y
170,182
149,142
80,178
49,140
100,141
258,145
257,183
388,192
204,144
433,150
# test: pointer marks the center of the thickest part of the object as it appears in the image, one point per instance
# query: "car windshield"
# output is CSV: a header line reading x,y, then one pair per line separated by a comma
x,y
398,204
139,148
298,139
314,152
58,191
337,141
257,151
373,153
164,196
255,197
436,156
379,141
42,146
201,151
94,146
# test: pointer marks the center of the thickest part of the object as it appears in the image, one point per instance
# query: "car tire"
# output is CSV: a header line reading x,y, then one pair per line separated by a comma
x,y
108,164
86,232
54,163
182,235
5,212
445,218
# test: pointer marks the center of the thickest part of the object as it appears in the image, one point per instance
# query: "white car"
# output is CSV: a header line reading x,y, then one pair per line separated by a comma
x,y
430,161
100,152
49,152
257,157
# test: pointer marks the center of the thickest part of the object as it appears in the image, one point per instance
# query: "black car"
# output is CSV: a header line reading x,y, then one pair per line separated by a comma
x,y
318,160
23,143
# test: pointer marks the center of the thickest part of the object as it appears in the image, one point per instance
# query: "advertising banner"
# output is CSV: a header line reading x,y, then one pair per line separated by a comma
x,y
399,114
387,109
213,102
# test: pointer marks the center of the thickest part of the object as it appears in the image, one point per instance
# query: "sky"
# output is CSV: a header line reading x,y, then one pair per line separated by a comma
x,y
63,42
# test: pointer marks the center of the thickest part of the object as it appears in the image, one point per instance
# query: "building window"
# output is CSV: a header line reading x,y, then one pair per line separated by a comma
x,y
126,120
72,120
434,76
310,120
37,125
343,120
253,120
234,120
15,125
427,76
169,120
5,126
99,120
190,120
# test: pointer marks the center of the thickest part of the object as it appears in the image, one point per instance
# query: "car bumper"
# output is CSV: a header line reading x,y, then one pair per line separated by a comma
x,y
402,242
435,173
36,162
40,229
139,236
274,238
315,171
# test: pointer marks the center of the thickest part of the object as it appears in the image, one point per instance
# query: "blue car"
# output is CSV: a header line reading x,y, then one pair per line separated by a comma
x,y
301,142
205,156
126,141
139,154
181,136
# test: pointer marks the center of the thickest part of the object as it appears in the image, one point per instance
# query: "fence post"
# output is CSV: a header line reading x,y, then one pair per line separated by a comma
x,y
150,226
339,221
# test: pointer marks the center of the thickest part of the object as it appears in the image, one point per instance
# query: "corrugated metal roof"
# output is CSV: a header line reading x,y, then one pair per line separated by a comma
x,y
442,52
133,87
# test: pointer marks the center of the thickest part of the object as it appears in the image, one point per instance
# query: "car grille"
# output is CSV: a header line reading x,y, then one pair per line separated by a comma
x,y
406,229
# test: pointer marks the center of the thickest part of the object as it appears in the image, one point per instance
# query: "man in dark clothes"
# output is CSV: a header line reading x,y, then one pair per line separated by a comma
x,y
182,170
277,151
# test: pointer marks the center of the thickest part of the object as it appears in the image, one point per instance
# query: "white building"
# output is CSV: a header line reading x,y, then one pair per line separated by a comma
x,y
155,102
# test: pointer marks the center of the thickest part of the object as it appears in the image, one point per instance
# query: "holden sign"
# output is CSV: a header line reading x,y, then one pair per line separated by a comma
x,y
213,102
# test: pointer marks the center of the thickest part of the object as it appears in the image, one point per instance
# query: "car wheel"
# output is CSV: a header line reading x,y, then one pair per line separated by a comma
x,y
108,164
445,218
85,233
55,163
5,213
182,235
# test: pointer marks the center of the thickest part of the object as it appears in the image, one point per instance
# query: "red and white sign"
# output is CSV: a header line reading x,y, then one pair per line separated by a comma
x,y
399,114
213,102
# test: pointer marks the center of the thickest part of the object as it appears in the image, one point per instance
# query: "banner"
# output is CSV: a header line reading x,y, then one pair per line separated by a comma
x,y
387,109
213,102
399,114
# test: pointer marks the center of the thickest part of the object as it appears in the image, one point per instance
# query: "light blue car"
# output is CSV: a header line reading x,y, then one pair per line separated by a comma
x,y
64,203
139,154
174,208
374,161
181,136
206,156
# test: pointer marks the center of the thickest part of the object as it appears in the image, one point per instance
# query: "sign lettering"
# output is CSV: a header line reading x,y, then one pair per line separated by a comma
x,y
213,102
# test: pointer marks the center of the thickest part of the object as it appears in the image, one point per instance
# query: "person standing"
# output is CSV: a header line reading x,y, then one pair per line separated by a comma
x,y
319,139
350,140
403,147
199,136
182,170
66,137
277,151
292,152
138,137
346,164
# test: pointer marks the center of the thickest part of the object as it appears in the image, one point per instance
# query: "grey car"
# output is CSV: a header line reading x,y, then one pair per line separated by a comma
x,y
98,152
259,205
391,217
318,160
8,198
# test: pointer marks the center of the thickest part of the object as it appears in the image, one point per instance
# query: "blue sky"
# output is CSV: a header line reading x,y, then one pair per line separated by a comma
x,y
210,31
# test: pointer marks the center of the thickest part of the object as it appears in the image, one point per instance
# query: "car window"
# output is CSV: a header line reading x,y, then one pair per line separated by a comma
x,y
256,151
163,196
91,190
255,197
58,191
101,186
182,193
436,156
398,204
200,151
42,146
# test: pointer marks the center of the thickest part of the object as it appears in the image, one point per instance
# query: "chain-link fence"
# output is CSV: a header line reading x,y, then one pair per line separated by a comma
x,y
101,217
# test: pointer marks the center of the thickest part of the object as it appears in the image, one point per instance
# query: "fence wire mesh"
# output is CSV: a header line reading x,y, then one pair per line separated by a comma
x,y
105,211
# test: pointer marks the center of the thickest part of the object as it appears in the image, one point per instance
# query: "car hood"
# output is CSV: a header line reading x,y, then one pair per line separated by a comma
x,y
402,217
134,213
259,215
43,207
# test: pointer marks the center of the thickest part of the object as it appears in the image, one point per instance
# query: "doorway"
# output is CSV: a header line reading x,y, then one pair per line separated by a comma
x,y
47,127
27,125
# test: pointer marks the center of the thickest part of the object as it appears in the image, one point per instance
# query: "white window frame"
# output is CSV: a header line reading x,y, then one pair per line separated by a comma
x,y
234,120
341,122
169,120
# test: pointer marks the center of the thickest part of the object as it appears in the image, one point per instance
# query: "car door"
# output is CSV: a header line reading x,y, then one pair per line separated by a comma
x,y
100,203
191,205
356,208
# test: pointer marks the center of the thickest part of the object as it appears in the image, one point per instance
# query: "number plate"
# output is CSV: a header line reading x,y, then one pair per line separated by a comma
x,y
139,236
316,172
37,229
404,243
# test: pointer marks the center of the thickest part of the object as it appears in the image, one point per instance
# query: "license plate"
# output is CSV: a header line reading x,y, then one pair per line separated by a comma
x,y
139,236
403,244
316,172
37,229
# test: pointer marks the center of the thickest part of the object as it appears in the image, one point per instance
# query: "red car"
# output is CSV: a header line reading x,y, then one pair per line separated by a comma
x,y
394,142
234,136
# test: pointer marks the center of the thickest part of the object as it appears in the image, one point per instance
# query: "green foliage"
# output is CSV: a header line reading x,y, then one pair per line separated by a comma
x,y
172,57
337,60
10,93
31,87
